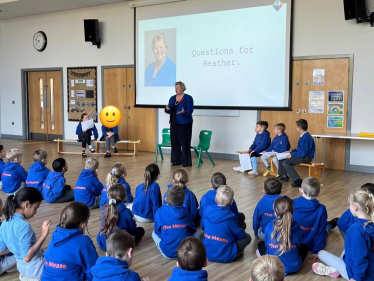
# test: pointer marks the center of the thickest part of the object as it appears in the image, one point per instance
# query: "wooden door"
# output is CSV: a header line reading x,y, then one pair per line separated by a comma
x,y
38,121
137,123
336,78
45,105
54,104
115,94
142,121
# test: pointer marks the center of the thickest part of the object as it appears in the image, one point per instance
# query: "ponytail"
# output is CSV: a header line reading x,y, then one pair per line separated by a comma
x,y
15,201
150,175
116,195
283,208
116,172
180,176
73,215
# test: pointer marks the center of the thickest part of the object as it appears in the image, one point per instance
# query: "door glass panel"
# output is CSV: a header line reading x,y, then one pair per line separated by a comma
x,y
51,106
41,102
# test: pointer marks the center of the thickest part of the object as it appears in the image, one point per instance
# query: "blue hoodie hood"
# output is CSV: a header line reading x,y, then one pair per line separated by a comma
x,y
184,275
87,187
172,225
70,256
291,258
263,213
312,218
112,269
53,186
12,177
359,250
38,172
209,199
221,231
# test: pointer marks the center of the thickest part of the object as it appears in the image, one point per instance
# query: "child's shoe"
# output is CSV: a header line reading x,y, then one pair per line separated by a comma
x,y
107,155
268,171
115,150
237,168
84,154
297,183
253,173
333,223
92,150
321,269
284,179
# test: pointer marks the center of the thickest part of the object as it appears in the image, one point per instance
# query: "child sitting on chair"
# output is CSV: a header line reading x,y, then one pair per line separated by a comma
x,y
261,143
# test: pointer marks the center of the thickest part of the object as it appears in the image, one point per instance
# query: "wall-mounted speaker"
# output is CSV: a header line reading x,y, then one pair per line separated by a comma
x,y
91,31
349,9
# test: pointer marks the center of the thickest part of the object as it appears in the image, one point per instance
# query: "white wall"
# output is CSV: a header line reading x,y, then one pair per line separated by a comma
x,y
319,29
66,48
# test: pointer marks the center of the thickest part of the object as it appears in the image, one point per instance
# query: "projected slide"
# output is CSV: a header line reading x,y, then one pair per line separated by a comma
x,y
232,58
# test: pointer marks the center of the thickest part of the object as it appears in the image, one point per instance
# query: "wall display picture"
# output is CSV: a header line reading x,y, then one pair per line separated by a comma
x,y
82,92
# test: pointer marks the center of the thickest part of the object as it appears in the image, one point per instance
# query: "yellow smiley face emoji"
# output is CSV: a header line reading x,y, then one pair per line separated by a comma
x,y
110,116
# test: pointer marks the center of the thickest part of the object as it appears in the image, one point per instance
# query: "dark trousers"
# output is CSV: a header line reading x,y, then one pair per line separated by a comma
x,y
180,136
242,243
197,219
84,139
287,166
242,221
68,196
138,233
303,250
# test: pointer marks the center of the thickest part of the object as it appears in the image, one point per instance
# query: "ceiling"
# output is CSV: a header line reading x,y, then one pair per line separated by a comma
x,y
21,8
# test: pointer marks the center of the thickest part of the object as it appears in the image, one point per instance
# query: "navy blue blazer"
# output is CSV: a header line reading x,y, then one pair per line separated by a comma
x,y
187,104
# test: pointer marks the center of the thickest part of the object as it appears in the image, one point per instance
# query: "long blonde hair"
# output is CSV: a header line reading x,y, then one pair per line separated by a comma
x,y
115,173
283,208
365,200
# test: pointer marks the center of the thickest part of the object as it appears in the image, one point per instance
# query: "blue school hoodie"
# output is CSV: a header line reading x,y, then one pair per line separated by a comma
x,y
104,193
264,212
291,258
305,147
114,130
89,131
209,199
87,188
2,165
69,256
53,186
346,220
190,201
221,231
184,275
12,177
261,143
125,222
146,205
38,172
112,269
280,144
172,225
312,218
359,251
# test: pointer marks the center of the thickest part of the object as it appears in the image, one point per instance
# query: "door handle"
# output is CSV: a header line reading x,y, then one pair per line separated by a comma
x,y
128,107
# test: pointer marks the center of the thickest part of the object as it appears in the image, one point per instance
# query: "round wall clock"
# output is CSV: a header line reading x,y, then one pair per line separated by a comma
x,y
40,41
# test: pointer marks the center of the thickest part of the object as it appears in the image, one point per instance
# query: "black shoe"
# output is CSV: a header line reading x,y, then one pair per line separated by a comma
x,y
175,163
115,150
297,183
244,226
333,223
84,154
92,150
285,179
107,155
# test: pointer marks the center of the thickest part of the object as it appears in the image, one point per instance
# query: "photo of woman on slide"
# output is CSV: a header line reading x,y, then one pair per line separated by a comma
x,y
162,72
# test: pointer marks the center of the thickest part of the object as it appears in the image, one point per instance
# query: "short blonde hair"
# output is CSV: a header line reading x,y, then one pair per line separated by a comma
x,y
225,195
180,83
267,268
91,164
159,37
13,153
311,187
39,155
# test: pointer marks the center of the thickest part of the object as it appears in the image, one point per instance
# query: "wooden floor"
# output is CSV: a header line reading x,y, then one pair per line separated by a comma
x,y
248,190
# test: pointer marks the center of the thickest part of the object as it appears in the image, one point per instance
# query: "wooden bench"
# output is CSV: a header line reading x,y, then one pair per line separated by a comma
x,y
97,147
314,169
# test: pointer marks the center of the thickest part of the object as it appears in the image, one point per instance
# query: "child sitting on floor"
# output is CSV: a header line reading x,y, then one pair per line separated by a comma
x,y
191,256
38,172
267,268
2,164
14,175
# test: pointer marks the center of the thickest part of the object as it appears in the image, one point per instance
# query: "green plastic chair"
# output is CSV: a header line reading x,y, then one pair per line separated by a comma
x,y
166,142
204,144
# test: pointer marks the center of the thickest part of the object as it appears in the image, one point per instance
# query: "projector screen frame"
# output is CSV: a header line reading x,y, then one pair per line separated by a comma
x,y
286,108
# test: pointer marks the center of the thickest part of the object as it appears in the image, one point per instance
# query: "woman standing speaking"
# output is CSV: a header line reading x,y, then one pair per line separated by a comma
x,y
180,108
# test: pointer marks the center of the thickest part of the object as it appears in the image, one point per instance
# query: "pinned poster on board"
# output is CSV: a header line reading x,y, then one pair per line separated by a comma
x,y
336,96
317,102
318,77
335,109
335,122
